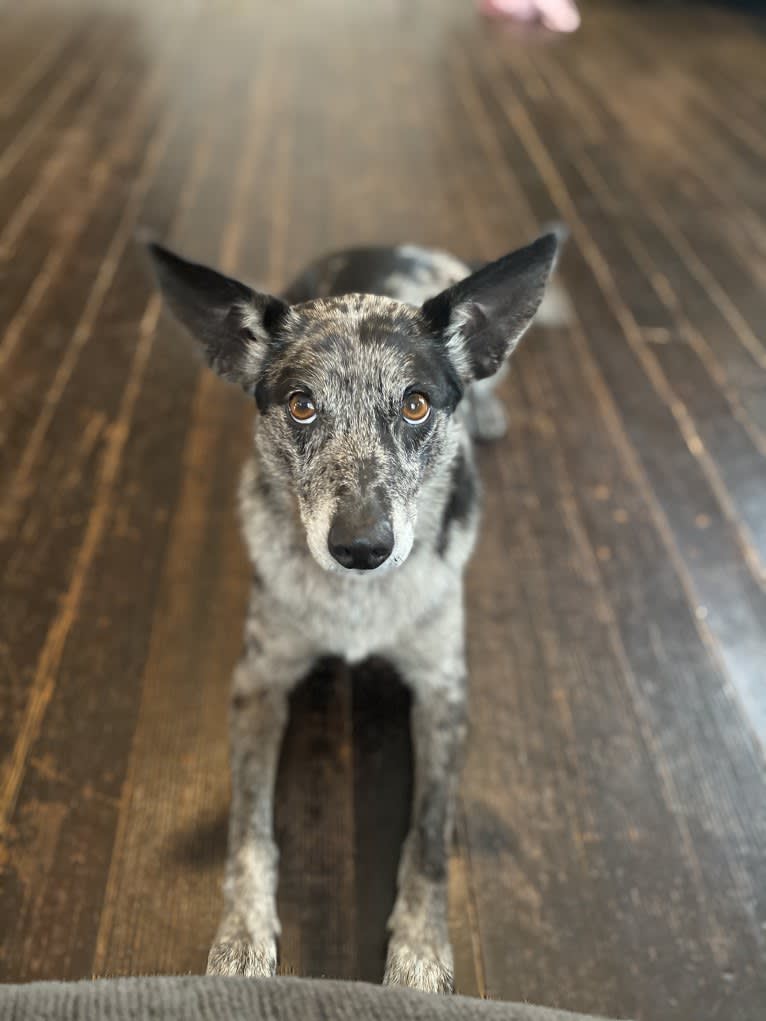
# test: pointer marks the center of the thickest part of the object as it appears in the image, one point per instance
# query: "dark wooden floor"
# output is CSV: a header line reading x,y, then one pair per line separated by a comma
x,y
611,853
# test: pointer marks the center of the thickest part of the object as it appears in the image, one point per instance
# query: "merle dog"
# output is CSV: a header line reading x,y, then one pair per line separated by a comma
x,y
371,376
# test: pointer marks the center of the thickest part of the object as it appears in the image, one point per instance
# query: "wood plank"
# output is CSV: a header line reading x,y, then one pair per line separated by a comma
x,y
105,181
660,204
711,405
161,898
609,852
732,597
493,968
81,693
25,59
512,934
54,517
32,106
592,694
677,675
315,823
38,167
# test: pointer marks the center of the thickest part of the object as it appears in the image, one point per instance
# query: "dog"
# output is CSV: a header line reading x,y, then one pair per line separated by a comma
x,y
372,375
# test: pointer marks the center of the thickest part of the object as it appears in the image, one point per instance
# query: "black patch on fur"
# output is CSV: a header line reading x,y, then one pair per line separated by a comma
x,y
238,702
433,372
461,501
437,311
262,395
274,312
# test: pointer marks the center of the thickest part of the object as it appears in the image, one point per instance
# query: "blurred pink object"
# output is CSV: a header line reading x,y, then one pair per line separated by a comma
x,y
557,15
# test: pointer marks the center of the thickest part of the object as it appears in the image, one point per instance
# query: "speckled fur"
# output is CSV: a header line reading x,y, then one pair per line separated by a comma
x,y
357,330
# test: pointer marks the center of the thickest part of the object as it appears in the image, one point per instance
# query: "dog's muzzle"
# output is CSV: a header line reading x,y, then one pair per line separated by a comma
x,y
361,537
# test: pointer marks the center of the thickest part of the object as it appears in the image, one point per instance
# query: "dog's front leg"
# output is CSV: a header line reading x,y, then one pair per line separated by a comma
x,y
245,943
419,952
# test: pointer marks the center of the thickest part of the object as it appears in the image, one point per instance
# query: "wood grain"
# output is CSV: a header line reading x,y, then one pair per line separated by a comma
x,y
611,848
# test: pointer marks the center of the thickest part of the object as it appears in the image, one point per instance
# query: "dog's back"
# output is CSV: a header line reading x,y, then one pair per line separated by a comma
x,y
407,273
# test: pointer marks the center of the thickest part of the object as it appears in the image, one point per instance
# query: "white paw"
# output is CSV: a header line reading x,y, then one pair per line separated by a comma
x,y
241,957
420,968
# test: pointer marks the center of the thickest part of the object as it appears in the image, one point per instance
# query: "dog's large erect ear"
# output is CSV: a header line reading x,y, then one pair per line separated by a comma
x,y
234,324
483,317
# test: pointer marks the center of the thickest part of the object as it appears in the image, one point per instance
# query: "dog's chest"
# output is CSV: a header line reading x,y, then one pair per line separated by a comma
x,y
356,624
355,617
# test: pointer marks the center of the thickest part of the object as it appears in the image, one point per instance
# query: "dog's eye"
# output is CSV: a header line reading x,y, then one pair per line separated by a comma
x,y
301,407
415,408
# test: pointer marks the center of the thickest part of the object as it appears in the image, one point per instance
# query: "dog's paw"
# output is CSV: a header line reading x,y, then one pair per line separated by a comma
x,y
241,957
419,969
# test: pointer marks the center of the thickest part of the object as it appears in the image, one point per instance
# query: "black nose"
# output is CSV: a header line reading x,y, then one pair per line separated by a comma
x,y
362,547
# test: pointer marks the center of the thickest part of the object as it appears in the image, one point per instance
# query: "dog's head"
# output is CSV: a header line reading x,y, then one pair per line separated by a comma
x,y
356,393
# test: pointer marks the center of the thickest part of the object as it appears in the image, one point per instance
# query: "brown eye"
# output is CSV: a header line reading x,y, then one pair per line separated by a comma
x,y
415,408
301,408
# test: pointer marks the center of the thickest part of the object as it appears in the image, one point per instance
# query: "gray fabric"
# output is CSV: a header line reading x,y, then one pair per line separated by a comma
x,y
194,998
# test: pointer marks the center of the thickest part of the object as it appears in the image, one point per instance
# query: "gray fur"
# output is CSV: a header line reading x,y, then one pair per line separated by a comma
x,y
357,354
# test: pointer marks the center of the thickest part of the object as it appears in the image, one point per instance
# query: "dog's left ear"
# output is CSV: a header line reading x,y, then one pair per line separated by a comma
x,y
483,317
234,324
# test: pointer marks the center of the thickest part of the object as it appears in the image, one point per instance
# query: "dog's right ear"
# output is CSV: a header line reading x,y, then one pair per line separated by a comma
x,y
234,324
483,317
